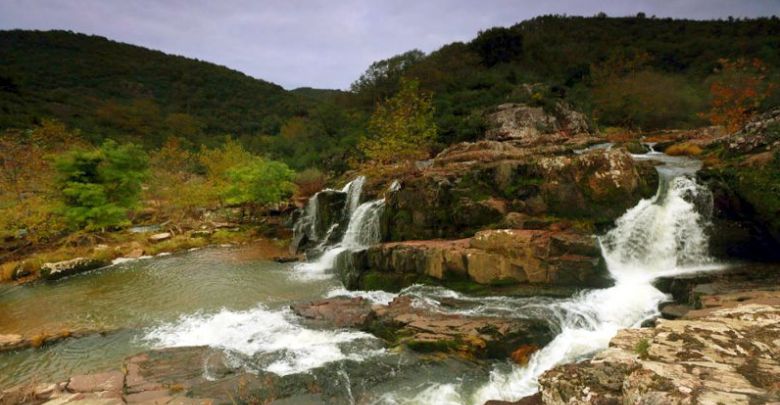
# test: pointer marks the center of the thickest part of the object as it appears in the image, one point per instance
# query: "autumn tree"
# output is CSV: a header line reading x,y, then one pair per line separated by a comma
x,y
737,90
401,128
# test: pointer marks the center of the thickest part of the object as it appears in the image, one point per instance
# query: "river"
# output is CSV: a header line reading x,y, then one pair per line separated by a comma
x,y
229,298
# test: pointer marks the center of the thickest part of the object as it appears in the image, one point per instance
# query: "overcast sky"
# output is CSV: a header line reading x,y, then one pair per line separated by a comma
x,y
322,43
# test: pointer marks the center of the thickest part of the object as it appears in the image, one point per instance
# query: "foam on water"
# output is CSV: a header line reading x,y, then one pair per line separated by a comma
x,y
292,348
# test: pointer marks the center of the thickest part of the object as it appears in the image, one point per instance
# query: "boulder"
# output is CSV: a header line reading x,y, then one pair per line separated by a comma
x,y
532,125
493,256
52,271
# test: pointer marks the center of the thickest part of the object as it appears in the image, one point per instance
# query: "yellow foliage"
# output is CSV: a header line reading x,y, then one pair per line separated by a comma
x,y
683,149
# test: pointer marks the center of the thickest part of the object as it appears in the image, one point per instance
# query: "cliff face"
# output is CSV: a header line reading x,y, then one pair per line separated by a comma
x,y
743,171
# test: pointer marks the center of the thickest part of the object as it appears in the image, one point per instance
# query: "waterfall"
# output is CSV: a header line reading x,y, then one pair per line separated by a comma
x,y
354,189
362,231
662,235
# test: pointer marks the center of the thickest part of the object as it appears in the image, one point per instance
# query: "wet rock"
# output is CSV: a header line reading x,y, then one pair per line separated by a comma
x,y
52,271
492,256
674,311
159,237
431,331
112,381
523,353
337,312
326,224
535,399
726,354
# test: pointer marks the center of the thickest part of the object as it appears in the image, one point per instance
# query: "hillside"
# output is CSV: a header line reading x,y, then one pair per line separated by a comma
x,y
639,72
111,89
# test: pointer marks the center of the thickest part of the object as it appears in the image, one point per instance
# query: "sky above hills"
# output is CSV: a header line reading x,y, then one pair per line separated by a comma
x,y
322,43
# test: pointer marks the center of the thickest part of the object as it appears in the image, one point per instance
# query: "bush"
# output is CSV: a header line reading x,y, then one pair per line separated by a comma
x,y
310,181
683,149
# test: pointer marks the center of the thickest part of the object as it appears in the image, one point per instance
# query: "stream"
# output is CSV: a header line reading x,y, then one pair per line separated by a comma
x,y
231,299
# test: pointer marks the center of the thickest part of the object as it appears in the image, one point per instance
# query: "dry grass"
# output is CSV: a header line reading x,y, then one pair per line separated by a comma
x,y
683,149
7,271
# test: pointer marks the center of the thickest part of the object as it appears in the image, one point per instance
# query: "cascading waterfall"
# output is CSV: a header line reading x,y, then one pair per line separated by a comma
x,y
663,235
362,231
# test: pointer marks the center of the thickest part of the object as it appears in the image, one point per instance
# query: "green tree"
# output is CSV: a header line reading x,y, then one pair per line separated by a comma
x,y
259,183
498,45
401,128
99,187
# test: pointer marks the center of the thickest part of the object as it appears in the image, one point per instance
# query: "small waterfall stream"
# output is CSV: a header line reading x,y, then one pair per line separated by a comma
x,y
362,231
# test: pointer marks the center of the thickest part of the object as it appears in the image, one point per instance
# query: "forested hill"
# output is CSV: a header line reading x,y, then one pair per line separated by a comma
x,y
111,89
640,73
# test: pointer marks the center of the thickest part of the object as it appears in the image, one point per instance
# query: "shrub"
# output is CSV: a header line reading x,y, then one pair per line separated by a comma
x,y
310,181
683,149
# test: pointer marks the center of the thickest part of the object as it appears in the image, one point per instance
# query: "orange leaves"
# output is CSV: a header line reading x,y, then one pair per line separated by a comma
x,y
737,91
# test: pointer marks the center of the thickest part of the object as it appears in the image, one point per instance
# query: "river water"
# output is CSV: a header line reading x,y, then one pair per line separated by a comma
x,y
229,298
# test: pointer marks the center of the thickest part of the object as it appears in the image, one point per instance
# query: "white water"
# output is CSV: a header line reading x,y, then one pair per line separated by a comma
x,y
287,346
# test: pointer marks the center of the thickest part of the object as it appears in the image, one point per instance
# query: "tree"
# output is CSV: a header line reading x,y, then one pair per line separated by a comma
x,y
401,128
498,45
737,91
382,77
260,183
99,187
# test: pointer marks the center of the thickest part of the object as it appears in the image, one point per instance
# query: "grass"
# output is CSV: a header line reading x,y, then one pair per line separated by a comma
x,y
642,348
683,149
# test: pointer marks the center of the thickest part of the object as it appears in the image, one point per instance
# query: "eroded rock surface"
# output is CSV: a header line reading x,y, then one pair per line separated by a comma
x,y
490,257
728,353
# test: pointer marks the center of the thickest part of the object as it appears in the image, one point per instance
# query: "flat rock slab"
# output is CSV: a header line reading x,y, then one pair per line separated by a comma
x,y
112,381
337,312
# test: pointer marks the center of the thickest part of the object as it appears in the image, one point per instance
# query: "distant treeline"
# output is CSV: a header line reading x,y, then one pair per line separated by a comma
x,y
634,72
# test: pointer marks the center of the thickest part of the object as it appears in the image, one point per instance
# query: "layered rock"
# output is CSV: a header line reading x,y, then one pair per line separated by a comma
x,y
404,322
461,197
490,257
726,353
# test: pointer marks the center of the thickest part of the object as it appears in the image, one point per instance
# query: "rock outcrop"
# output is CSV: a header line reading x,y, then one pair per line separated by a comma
x,y
325,222
531,125
490,257
728,352
743,172
458,198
